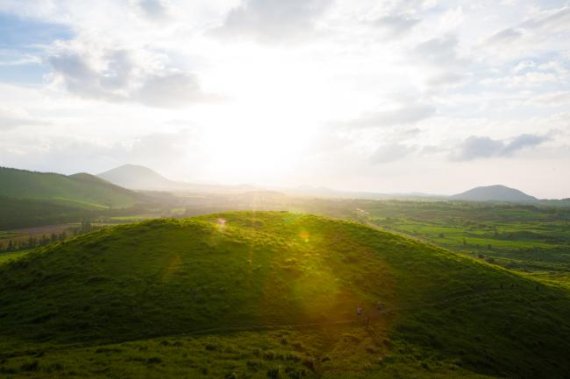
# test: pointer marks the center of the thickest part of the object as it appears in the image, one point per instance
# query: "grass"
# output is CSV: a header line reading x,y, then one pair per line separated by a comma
x,y
241,280
284,354
11,256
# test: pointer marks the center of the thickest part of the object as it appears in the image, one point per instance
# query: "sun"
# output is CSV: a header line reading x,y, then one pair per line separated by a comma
x,y
268,123
254,146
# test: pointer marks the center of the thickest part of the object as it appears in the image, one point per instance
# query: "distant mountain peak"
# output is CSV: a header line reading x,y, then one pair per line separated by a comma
x,y
497,193
137,177
130,168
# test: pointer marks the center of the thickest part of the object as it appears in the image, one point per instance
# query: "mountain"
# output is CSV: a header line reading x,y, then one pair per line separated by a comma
x,y
139,178
497,193
79,190
273,294
145,179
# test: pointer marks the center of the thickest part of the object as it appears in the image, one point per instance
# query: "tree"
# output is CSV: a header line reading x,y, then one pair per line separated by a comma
x,y
86,226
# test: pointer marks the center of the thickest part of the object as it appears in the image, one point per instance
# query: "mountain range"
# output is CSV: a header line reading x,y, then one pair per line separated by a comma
x,y
142,178
118,188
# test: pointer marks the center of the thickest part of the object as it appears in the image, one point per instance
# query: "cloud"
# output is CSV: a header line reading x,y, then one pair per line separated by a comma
x,y
546,23
505,36
391,153
168,151
173,90
273,20
405,114
80,76
443,65
552,21
551,99
438,51
121,75
11,119
154,10
485,147
396,26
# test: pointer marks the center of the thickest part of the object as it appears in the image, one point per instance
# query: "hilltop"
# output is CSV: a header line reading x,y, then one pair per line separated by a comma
x,y
229,294
496,193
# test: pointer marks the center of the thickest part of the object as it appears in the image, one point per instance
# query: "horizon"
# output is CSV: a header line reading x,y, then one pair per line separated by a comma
x,y
301,188
398,97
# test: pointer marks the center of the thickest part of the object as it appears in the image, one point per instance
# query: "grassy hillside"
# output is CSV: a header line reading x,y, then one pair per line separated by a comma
x,y
19,213
80,191
272,294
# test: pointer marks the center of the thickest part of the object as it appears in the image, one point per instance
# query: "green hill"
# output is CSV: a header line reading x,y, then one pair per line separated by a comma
x,y
80,190
272,294
22,213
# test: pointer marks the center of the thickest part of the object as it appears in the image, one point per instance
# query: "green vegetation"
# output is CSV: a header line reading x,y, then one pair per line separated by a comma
x,y
272,294
525,238
11,256
18,213
78,191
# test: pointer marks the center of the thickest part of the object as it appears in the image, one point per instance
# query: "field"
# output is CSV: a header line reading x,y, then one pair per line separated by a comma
x,y
527,239
272,295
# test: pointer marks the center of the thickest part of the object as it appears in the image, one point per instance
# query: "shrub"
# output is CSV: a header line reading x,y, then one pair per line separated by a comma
x,y
269,355
153,360
273,373
30,366
294,373
253,365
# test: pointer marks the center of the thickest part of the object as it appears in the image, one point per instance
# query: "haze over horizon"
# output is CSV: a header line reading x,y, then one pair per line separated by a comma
x,y
397,96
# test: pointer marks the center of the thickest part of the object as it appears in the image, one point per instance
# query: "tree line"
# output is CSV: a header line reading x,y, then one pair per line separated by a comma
x,y
37,241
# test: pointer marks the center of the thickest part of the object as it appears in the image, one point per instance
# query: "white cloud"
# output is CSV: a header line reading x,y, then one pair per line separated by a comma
x,y
123,75
154,9
11,119
396,25
438,51
274,20
485,147
391,153
402,114
543,30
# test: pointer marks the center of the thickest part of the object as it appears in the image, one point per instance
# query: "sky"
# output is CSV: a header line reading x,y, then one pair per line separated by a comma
x,y
426,96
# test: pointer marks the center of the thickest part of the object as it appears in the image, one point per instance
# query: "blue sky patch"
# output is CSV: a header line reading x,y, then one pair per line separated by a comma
x,y
18,33
21,38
